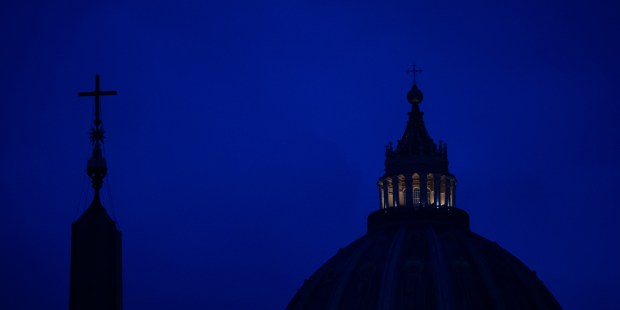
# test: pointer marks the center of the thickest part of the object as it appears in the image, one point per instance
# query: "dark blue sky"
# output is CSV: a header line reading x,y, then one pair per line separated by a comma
x,y
247,137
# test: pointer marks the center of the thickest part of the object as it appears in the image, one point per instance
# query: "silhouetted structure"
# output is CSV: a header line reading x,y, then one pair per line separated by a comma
x,y
96,258
419,252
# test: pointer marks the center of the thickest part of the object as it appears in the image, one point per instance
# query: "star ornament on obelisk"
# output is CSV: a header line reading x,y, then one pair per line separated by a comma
x,y
96,246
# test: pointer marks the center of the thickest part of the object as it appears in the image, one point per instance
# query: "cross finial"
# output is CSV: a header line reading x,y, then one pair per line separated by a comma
x,y
97,94
96,133
414,69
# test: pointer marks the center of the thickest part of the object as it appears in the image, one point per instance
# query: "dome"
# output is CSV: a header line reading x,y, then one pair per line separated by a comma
x,y
419,252
422,258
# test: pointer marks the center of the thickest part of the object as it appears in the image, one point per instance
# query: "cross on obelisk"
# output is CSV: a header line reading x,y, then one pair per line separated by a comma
x,y
97,94
414,70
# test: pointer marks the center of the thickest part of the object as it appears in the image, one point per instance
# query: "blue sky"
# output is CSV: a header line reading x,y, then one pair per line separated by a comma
x,y
246,140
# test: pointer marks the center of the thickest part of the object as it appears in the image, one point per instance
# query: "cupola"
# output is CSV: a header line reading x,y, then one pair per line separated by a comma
x,y
416,172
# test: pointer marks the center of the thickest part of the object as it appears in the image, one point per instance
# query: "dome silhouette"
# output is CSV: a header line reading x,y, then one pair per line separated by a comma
x,y
422,259
419,251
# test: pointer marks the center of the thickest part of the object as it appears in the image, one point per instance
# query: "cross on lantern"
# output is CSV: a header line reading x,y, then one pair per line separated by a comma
x,y
414,70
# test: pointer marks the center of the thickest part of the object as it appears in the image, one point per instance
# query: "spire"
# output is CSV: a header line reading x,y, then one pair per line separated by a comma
x,y
416,139
97,167
416,146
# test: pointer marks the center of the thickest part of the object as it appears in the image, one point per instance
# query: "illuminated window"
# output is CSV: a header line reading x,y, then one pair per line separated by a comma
x,y
401,190
430,187
442,188
416,189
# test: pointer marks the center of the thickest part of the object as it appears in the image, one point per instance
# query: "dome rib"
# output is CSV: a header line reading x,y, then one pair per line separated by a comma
x,y
389,274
